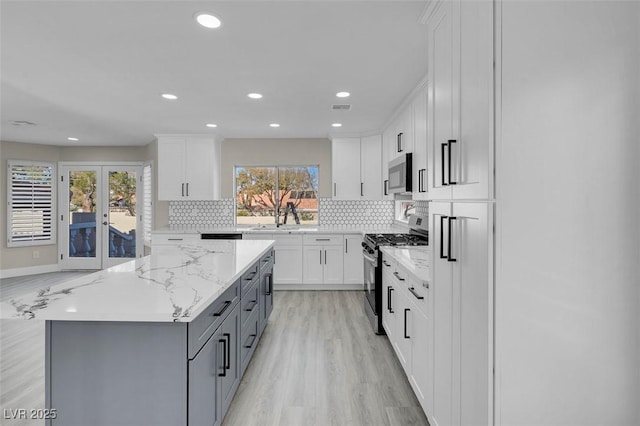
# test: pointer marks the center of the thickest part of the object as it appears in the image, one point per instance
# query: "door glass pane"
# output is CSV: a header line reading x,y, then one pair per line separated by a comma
x,y
122,214
255,195
298,195
82,213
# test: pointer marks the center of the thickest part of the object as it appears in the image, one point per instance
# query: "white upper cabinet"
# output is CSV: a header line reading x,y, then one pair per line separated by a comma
x,y
188,167
460,106
370,167
345,166
357,174
419,166
388,152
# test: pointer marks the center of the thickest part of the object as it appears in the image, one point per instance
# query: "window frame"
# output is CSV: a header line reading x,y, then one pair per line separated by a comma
x,y
52,240
147,204
277,189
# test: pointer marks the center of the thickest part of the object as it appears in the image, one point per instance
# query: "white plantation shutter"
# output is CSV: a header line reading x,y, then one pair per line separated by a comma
x,y
30,194
147,209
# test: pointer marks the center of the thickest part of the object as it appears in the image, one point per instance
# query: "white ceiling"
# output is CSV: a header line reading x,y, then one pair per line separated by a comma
x,y
95,69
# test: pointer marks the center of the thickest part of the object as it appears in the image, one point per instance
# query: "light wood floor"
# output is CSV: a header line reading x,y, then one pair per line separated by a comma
x,y
318,363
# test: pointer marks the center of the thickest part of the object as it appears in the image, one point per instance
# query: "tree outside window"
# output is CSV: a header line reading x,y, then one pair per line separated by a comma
x,y
260,201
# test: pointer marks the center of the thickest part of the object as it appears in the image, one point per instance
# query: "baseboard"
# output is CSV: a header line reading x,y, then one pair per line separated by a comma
x,y
318,286
30,270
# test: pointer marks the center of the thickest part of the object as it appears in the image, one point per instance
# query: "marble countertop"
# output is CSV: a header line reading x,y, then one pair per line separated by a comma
x,y
414,259
174,285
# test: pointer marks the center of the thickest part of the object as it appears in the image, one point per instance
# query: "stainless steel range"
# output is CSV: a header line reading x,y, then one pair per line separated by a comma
x,y
418,235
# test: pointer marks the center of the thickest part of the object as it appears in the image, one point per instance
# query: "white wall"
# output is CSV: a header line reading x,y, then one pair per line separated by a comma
x,y
567,242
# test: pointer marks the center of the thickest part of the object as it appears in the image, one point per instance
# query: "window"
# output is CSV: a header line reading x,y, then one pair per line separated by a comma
x,y
260,201
147,203
404,209
30,216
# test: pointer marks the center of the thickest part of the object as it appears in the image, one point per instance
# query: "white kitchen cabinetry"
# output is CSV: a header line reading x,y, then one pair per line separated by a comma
x,y
461,100
353,260
345,166
404,132
188,167
370,167
356,168
287,267
419,166
323,259
462,314
388,147
406,317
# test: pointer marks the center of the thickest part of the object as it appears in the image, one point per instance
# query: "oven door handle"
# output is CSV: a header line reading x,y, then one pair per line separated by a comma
x,y
369,258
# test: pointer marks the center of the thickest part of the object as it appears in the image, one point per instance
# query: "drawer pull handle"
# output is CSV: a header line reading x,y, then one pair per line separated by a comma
x,y
269,285
221,311
254,303
175,239
398,276
227,364
323,239
406,336
386,264
252,337
250,277
224,358
413,291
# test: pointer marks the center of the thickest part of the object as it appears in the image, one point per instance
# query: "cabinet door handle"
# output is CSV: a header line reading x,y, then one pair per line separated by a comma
x,y
421,185
449,256
320,256
249,309
325,257
346,245
390,307
443,148
323,239
221,311
361,189
413,291
252,337
224,358
187,189
442,219
451,141
406,336
183,189
386,187
334,188
398,276
227,364
269,285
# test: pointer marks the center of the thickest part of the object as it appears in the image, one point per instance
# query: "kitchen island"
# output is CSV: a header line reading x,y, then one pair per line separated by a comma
x,y
161,340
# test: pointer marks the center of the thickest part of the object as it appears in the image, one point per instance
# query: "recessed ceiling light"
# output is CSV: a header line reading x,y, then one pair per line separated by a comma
x,y
337,124
212,125
274,125
169,96
208,21
73,139
255,95
343,94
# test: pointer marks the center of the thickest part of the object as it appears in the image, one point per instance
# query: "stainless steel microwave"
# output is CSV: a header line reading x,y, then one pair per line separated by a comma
x,y
400,175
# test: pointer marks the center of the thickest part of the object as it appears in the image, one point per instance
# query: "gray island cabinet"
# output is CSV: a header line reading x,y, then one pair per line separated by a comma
x,y
162,340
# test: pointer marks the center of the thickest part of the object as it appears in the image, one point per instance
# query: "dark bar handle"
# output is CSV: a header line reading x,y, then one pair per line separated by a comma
x,y
443,149
334,189
227,364
252,306
187,189
183,189
449,256
388,298
413,291
451,141
386,187
250,277
224,358
320,256
270,284
405,323
362,189
386,264
390,307
442,219
226,305
253,339
346,245
398,276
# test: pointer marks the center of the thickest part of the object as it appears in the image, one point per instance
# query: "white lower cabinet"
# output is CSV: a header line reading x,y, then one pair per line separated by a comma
x,y
406,317
287,267
322,265
353,260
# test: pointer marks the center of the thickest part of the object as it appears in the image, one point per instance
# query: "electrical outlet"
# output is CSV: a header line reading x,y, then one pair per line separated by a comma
x,y
36,254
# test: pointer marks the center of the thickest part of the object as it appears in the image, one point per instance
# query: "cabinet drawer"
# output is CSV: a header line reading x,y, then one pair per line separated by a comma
x,y
173,239
205,324
249,304
249,336
249,278
322,240
419,295
287,239
267,260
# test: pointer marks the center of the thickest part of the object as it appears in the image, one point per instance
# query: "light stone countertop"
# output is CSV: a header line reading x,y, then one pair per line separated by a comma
x,y
414,259
174,285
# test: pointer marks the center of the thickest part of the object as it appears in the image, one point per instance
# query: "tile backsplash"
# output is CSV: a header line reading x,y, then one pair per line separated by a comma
x,y
201,214
356,212
422,208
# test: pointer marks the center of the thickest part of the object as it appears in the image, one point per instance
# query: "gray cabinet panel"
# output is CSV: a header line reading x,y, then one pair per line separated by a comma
x,y
203,382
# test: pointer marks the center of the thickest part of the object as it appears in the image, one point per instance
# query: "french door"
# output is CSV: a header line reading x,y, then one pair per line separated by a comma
x,y
98,213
